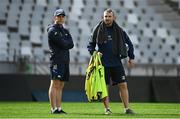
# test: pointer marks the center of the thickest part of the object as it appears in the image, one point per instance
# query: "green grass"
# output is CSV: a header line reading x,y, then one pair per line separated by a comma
x,y
88,110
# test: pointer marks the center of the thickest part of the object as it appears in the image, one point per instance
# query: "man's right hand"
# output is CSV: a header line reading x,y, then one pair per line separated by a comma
x,y
56,22
100,54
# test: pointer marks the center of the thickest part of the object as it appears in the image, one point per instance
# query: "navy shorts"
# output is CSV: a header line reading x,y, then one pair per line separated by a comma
x,y
59,72
115,75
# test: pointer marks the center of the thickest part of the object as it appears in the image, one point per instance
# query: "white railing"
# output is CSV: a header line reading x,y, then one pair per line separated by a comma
x,y
37,68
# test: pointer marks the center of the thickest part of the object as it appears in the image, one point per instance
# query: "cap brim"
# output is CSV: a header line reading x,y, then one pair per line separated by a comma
x,y
60,14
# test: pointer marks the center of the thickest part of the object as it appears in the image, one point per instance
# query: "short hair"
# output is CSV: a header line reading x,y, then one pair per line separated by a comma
x,y
109,10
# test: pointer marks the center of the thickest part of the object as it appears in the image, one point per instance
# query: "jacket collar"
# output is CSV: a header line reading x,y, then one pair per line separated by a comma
x,y
57,25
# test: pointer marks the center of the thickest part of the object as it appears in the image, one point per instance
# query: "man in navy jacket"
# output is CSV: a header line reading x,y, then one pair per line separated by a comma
x,y
60,41
111,41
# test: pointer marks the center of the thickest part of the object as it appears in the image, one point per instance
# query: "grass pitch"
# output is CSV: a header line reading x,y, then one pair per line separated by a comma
x,y
88,110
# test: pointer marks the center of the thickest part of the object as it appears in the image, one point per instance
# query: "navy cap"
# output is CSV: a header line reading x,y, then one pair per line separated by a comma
x,y
59,12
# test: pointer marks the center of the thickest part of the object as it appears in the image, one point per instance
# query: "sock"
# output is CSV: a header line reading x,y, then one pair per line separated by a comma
x,y
53,109
59,108
126,109
107,109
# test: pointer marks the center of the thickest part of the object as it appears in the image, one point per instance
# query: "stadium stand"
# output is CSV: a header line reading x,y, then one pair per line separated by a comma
x,y
153,26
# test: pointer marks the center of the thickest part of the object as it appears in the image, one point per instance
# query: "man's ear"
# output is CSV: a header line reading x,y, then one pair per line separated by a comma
x,y
102,17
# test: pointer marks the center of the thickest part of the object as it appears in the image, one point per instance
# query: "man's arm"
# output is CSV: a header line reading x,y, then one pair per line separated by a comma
x,y
92,40
60,41
131,56
91,46
130,46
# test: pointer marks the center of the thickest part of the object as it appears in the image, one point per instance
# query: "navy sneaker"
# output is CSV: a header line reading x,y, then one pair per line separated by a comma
x,y
129,111
61,112
55,111
108,112
58,112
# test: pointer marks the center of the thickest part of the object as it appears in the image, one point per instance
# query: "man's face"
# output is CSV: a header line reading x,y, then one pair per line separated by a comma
x,y
108,18
60,19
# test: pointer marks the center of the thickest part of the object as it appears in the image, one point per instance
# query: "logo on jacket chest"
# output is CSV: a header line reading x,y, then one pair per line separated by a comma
x,y
60,34
109,37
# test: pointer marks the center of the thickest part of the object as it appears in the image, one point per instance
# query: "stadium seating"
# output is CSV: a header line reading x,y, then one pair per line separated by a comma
x,y
152,25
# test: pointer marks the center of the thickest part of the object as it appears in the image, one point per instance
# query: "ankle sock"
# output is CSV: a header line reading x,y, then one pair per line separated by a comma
x,y
59,108
53,109
126,109
107,109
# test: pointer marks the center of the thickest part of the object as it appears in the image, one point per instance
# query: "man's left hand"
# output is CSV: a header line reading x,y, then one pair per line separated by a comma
x,y
131,63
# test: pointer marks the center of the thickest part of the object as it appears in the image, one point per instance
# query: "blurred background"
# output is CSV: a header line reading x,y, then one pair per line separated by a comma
x,y
152,25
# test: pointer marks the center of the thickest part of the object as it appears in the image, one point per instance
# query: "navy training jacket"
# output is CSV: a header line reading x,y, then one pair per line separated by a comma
x,y
60,41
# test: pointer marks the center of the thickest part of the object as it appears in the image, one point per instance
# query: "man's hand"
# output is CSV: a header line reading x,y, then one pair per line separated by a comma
x,y
100,54
56,22
131,63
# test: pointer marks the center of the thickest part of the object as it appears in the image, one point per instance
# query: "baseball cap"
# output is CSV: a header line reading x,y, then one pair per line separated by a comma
x,y
59,12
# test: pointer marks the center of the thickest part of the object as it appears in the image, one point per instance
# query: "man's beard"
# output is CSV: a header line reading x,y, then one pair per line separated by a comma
x,y
108,23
